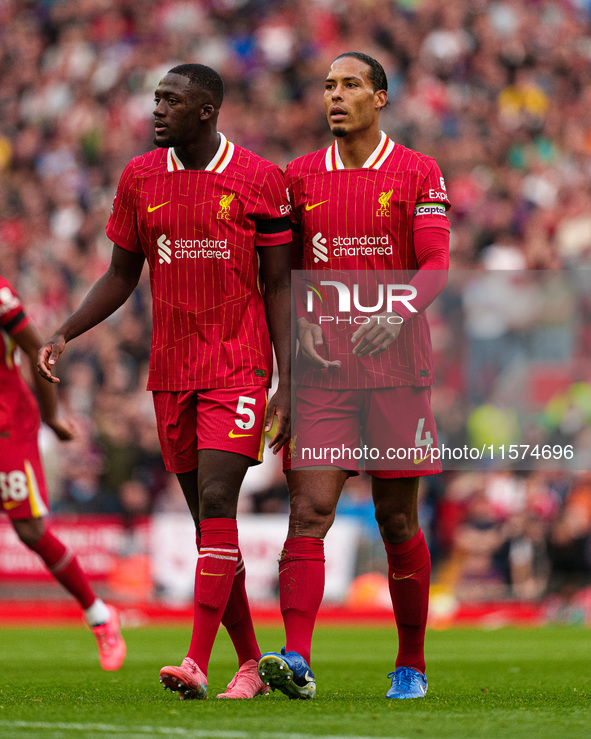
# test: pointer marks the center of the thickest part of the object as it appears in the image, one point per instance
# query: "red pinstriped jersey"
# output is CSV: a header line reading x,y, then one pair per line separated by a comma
x,y
199,230
359,220
18,406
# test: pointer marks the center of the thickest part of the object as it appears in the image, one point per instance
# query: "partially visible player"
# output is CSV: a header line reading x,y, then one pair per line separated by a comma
x,y
22,483
365,206
211,219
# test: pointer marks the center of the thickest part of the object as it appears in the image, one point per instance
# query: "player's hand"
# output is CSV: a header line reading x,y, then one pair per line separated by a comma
x,y
48,356
311,338
374,337
63,429
280,406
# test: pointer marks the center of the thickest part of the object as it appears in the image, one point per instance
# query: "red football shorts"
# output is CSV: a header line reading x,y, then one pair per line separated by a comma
x,y
388,432
22,483
227,419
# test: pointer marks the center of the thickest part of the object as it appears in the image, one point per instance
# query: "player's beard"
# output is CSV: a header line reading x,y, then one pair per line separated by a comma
x,y
170,141
338,132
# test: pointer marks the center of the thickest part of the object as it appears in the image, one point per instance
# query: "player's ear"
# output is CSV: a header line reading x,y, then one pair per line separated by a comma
x,y
207,111
380,99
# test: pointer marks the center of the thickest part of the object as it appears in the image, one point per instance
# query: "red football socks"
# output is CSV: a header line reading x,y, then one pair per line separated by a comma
x,y
64,566
237,617
214,577
238,620
409,573
301,587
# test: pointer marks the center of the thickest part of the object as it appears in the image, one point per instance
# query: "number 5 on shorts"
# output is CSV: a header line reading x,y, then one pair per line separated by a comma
x,y
243,410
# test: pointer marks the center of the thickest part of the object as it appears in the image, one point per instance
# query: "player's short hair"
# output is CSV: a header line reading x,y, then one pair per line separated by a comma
x,y
377,75
204,77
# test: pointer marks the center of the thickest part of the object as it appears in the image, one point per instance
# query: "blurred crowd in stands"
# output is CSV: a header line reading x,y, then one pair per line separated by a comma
x,y
498,92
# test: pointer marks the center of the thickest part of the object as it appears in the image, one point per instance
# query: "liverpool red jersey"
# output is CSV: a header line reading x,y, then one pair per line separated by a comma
x,y
18,408
355,220
199,230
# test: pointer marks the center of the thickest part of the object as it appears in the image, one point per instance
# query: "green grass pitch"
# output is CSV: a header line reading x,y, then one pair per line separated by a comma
x,y
509,683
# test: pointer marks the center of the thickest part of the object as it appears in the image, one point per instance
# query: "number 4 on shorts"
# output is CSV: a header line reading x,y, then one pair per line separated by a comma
x,y
427,440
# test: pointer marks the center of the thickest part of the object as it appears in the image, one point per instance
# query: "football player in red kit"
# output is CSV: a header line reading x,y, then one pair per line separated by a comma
x,y
211,219
23,492
364,206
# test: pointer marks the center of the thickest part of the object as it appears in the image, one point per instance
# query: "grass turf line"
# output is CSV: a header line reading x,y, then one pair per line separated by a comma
x,y
508,683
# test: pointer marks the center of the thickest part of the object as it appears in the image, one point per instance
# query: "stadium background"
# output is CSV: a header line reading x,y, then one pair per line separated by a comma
x,y
499,93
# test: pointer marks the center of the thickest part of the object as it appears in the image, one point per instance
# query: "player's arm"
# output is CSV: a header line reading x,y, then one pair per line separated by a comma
x,y
311,338
107,294
309,335
275,275
431,245
30,342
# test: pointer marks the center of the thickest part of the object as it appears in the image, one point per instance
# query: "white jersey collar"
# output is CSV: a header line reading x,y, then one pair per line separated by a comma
x,y
220,161
374,161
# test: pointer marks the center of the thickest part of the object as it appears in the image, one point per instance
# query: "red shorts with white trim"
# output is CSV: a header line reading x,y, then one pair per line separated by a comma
x,y
23,491
387,432
227,419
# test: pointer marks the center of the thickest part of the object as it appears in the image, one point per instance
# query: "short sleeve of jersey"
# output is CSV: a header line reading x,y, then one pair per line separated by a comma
x,y
122,226
432,202
271,217
12,314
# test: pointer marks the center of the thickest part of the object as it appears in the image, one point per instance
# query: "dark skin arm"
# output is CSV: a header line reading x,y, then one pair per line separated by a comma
x,y
376,336
29,341
276,278
311,337
107,294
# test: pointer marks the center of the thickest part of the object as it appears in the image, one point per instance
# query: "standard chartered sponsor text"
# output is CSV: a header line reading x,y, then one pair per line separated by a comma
x,y
361,246
205,248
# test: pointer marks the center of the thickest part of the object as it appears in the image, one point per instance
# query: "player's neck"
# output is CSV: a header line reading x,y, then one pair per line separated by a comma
x,y
356,148
200,153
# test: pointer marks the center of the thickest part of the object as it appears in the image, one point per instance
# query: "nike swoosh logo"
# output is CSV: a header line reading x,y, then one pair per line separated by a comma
x,y
311,207
9,505
404,577
213,574
152,208
233,435
418,461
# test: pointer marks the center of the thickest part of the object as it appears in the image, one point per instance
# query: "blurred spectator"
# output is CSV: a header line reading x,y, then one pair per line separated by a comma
x,y
523,556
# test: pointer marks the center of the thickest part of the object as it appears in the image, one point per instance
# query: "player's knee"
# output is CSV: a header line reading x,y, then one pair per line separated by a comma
x,y
217,503
310,518
29,531
395,526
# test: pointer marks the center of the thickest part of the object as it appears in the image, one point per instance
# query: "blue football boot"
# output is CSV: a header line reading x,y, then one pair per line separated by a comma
x,y
407,683
288,672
